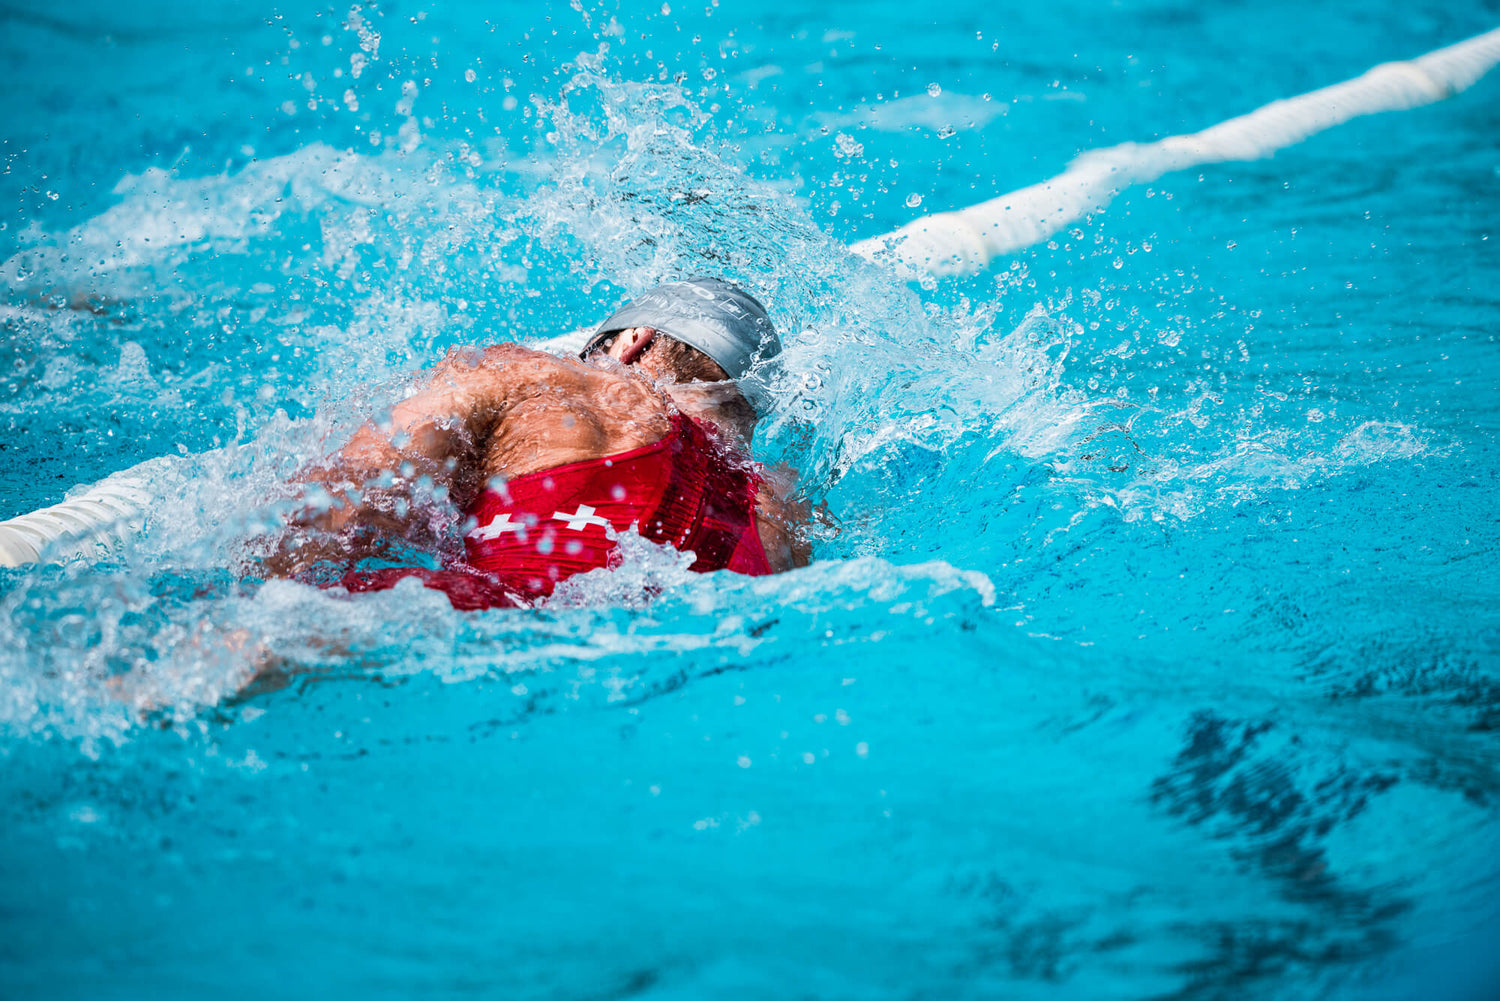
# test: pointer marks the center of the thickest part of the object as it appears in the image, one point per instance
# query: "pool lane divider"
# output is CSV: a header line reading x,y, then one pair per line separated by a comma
x,y
89,523
946,243
965,241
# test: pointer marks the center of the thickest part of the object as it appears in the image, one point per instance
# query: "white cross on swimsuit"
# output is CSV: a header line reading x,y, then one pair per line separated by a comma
x,y
497,527
580,519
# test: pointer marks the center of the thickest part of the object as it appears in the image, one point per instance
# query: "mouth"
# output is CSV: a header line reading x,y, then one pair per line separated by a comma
x,y
637,349
631,354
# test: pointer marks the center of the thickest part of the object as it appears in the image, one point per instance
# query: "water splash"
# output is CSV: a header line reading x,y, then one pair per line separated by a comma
x,y
317,281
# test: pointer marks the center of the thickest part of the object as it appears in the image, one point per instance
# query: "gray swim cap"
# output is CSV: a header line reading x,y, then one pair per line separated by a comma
x,y
722,320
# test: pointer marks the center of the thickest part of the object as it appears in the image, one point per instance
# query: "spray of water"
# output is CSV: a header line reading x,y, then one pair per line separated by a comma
x,y
255,317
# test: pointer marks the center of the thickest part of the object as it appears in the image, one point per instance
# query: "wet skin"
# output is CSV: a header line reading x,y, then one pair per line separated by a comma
x,y
509,411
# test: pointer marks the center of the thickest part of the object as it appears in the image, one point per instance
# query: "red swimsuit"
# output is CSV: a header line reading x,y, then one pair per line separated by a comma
x,y
687,489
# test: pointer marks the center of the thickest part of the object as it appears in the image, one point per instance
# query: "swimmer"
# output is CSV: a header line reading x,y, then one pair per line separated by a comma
x,y
551,459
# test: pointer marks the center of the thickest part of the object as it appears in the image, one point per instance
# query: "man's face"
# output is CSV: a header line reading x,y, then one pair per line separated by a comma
x,y
672,359
678,363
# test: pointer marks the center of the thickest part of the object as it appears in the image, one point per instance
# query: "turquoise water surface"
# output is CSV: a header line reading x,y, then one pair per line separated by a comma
x,y
1151,647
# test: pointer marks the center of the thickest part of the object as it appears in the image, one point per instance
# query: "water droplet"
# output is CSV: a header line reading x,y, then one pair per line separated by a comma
x,y
469,75
933,90
666,9
913,200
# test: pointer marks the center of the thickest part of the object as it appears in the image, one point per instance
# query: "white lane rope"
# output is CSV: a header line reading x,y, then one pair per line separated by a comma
x,y
965,241
959,242
89,523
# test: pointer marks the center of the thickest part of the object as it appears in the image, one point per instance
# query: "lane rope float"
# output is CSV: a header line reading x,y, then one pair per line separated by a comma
x,y
89,523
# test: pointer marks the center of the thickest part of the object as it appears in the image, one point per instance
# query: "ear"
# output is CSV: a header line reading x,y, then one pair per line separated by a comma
x,y
635,341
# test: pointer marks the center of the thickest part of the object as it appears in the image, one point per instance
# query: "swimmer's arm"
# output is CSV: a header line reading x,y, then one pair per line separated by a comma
x,y
782,519
428,448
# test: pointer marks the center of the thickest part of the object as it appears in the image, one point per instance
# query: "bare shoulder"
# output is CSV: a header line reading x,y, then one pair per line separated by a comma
x,y
504,378
509,362
532,372
451,409
546,411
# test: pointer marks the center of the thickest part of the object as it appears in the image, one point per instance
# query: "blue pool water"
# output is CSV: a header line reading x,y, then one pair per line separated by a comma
x,y
1151,647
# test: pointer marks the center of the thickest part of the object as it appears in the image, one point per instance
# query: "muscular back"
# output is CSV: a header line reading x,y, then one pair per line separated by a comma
x,y
560,411
509,411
